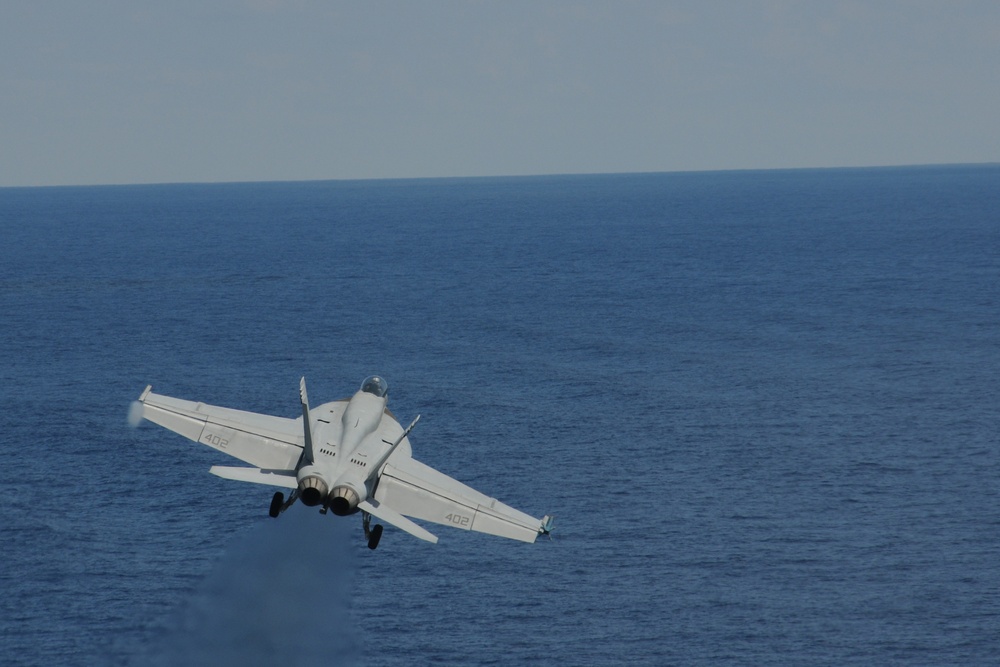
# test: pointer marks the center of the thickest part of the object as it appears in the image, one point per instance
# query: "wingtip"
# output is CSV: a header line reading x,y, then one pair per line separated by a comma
x,y
145,393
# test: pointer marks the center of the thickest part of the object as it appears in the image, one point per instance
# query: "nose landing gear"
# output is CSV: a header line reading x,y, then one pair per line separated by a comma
x,y
373,534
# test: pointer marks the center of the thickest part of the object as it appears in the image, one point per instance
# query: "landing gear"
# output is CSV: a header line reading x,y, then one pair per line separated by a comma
x,y
276,502
279,504
373,535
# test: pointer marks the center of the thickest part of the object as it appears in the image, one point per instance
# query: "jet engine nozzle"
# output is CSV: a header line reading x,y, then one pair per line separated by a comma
x,y
344,500
312,490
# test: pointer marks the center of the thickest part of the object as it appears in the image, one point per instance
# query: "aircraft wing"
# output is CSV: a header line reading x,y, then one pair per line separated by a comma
x,y
416,490
272,443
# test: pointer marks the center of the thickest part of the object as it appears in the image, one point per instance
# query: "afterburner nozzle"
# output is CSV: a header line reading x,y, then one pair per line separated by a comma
x,y
344,500
312,490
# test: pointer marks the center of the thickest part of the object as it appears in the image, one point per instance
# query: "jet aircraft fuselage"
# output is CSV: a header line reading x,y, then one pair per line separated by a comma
x,y
346,441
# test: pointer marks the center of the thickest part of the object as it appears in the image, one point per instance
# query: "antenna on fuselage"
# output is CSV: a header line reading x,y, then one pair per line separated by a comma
x,y
306,424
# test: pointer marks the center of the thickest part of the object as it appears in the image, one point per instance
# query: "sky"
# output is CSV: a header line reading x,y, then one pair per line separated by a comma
x,y
133,91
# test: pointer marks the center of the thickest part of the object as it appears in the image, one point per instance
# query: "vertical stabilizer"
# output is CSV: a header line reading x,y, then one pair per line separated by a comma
x,y
392,448
306,423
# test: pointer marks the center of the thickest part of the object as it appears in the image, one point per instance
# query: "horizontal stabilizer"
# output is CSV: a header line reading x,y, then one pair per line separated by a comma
x,y
394,518
283,478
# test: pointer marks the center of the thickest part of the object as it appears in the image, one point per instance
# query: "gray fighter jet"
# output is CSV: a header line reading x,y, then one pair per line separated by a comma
x,y
347,456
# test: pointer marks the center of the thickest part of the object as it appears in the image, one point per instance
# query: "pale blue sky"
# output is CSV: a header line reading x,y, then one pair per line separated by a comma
x,y
236,90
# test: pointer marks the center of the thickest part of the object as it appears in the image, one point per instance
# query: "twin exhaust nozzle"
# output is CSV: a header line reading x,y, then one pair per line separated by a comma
x,y
343,500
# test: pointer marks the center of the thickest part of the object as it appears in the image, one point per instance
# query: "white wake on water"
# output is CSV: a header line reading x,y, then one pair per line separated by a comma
x,y
279,596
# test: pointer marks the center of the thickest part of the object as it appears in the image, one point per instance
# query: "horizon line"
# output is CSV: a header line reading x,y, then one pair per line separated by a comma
x,y
500,176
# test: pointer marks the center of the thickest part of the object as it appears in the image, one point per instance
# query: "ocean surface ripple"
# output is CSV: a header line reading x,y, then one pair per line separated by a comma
x,y
762,405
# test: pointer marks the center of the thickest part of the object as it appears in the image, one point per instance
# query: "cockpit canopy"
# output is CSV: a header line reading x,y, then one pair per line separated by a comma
x,y
376,386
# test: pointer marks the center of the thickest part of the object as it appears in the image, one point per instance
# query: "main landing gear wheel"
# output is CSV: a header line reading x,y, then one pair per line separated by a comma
x,y
276,502
374,537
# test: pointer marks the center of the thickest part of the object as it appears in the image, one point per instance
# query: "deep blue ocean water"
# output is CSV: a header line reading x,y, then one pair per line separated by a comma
x,y
762,405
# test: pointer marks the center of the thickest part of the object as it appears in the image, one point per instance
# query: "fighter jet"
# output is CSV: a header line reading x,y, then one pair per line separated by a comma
x,y
344,457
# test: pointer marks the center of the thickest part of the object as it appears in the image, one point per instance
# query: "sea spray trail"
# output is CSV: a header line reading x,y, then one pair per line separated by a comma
x,y
279,596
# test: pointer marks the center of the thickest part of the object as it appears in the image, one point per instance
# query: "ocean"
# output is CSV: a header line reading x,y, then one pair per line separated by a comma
x,y
762,406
